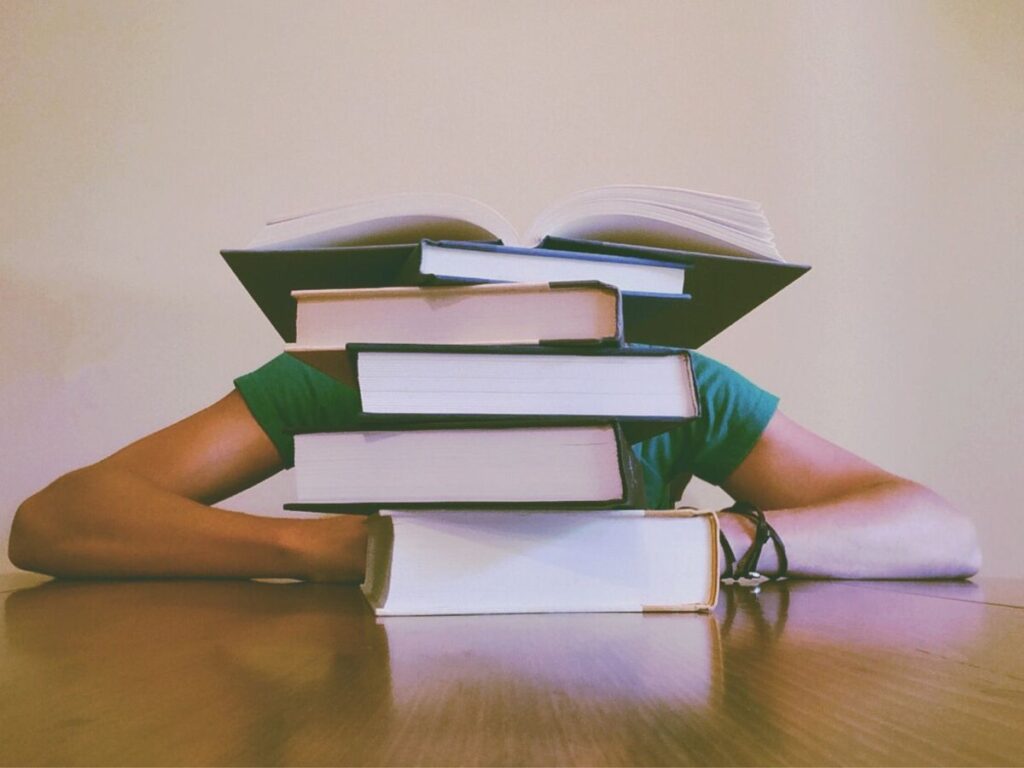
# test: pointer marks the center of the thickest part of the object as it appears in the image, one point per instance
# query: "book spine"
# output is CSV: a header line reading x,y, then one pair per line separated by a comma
x,y
410,273
713,533
691,386
630,472
379,548
618,340
620,319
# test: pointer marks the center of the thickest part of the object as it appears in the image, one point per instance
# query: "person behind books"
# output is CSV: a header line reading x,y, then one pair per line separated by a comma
x,y
148,509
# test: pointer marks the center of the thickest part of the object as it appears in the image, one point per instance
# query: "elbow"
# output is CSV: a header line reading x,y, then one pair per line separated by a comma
x,y
953,538
36,536
969,549
25,543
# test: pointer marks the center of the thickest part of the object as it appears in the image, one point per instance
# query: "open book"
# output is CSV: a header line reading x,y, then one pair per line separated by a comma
x,y
656,217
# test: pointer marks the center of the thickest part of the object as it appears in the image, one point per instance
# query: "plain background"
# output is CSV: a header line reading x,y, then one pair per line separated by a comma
x,y
884,140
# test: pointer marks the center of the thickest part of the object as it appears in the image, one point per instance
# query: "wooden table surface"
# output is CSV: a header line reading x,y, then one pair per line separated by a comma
x,y
256,673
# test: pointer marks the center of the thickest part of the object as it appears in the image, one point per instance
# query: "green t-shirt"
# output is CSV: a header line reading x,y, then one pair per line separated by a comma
x,y
287,396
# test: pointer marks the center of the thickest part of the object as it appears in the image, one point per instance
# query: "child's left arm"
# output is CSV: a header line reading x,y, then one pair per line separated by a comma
x,y
843,517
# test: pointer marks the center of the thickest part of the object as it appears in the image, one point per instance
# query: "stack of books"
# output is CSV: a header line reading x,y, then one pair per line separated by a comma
x,y
502,385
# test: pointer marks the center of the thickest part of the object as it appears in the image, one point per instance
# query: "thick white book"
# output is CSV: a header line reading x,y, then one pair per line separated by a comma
x,y
437,562
467,465
659,217
441,383
501,313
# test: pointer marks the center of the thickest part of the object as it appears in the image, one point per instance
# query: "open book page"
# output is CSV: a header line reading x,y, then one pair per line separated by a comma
x,y
386,221
735,212
637,222
661,217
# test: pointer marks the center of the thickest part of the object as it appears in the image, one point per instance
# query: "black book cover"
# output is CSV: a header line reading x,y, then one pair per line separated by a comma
x,y
271,276
722,289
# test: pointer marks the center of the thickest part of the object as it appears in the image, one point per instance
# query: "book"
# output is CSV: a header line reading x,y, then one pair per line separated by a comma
x,y
477,562
721,247
720,289
448,261
500,313
664,217
533,464
407,382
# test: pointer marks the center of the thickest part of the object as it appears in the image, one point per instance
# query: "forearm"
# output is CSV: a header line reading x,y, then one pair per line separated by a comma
x,y
892,530
112,523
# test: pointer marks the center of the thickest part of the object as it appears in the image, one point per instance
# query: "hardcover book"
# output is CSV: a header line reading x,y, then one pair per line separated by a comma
x,y
471,562
403,383
447,261
578,466
719,249
498,313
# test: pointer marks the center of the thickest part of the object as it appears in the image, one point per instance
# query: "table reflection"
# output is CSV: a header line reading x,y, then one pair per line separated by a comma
x,y
258,673
824,669
187,672
286,671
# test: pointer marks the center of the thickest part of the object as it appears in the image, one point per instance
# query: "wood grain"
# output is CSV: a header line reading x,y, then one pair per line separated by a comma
x,y
247,673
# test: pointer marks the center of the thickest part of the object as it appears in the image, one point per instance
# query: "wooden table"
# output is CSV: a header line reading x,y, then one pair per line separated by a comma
x,y
255,673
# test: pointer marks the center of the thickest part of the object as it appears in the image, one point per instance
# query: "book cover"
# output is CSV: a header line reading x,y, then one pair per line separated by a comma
x,y
270,276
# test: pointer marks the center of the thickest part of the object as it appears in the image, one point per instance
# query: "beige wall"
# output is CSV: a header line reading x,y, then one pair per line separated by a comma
x,y
884,139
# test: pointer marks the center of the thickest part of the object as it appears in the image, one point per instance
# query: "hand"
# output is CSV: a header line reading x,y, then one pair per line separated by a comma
x,y
331,549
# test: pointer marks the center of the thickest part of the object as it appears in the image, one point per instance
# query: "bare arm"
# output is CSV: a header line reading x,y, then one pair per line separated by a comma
x,y
842,517
144,511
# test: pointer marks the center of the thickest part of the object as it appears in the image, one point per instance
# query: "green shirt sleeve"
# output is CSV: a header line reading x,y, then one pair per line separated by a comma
x,y
734,413
287,395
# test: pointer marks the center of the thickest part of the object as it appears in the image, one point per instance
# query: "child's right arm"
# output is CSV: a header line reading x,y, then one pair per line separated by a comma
x,y
144,511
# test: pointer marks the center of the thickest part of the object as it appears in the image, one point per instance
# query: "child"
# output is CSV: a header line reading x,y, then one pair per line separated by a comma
x,y
146,511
